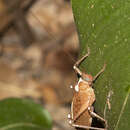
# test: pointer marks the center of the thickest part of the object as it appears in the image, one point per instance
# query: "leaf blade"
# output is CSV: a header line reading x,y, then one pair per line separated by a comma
x,y
21,113
104,26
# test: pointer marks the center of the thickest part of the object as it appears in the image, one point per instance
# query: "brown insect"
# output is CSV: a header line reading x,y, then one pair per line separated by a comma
x,y
82,110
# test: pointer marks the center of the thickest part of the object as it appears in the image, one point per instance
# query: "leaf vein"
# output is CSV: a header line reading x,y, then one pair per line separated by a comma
x,y
122,109
18,125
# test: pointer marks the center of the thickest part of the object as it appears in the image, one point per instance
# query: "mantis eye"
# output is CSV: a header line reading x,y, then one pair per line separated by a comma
x,y
87,79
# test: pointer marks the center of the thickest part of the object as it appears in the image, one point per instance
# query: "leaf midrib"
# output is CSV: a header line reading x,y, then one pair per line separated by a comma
x,y
19,125
122,109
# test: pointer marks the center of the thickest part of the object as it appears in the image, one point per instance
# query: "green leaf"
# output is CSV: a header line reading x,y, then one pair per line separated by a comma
x,y
104,27
22,114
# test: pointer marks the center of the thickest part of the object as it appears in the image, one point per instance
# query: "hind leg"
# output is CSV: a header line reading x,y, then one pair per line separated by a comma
x,y
93,114
86,127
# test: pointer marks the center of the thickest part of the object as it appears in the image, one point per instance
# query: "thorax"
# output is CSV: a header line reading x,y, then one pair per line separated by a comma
x,y
82,86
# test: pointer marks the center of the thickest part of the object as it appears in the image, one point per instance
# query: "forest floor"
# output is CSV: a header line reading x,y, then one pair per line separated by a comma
x,y
43,71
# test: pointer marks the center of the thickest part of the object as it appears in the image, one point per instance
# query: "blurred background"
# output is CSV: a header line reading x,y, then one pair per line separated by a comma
x,y
38,47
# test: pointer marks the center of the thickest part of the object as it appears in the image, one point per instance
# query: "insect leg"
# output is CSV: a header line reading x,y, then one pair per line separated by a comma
x,y
79,62
98,74
87,127
90,109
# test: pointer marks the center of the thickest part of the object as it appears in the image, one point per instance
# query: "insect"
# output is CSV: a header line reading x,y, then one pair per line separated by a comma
x,y
82,111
